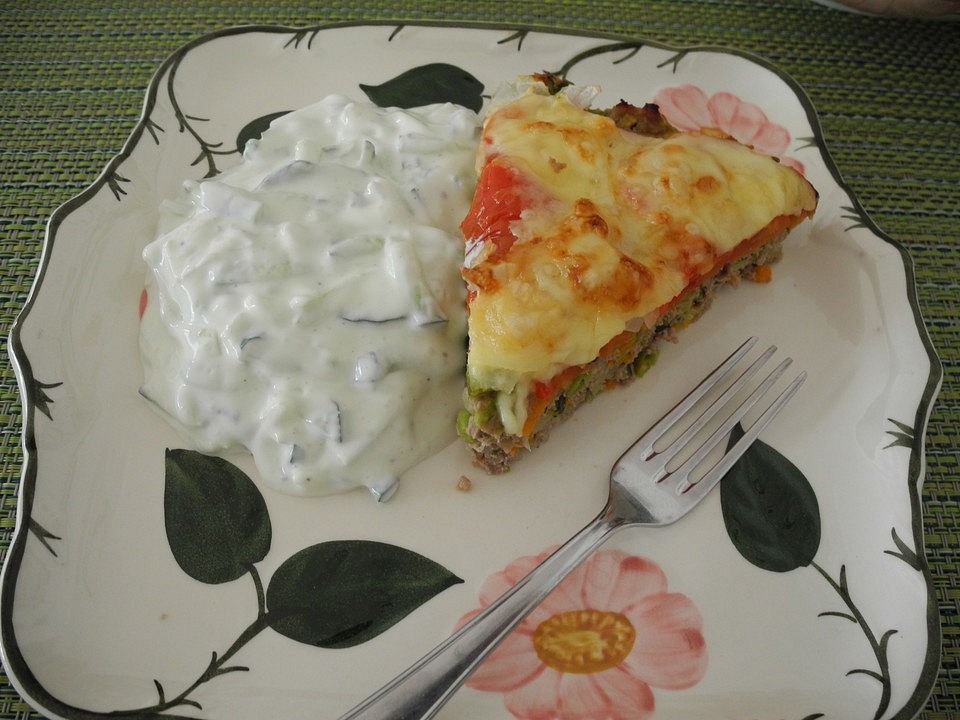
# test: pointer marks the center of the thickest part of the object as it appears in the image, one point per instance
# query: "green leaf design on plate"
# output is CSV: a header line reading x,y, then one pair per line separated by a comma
x,y
632,49
216,519
153,128
113,182
298,37
851,214
879,646
342,593
254,129
519,36
428,84
904,551
901,438
38,393
769,509
43,535
674,60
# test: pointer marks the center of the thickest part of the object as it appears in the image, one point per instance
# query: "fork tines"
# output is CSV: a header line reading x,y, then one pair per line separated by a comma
x,y
660,458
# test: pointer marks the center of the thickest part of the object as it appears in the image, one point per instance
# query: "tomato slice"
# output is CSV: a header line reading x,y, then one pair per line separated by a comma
x,y
497,202
775,227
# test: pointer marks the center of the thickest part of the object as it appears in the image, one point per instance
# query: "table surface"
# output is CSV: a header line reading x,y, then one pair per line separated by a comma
x,y
72,79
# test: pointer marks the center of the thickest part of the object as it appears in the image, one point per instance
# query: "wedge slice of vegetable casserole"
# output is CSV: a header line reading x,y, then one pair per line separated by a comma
x,y
591,237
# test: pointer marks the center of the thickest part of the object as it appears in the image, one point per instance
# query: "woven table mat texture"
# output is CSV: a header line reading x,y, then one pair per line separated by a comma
x,y
887,90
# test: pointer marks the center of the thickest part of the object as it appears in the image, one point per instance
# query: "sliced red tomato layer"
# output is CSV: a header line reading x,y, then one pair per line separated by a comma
x,y
501,194
775,227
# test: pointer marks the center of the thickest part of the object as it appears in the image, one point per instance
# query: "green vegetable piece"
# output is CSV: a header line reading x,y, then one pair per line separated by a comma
x,y
463,419
473,387
486,411
577,384
643,362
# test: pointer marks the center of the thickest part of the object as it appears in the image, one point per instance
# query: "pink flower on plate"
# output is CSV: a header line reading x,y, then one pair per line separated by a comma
x,y
596,645
688,108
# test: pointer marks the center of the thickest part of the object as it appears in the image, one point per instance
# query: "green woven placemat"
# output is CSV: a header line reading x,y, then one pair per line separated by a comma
x,y
72,80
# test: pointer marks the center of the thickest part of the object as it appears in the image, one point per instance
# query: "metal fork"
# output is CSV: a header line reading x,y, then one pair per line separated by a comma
x,y
644,490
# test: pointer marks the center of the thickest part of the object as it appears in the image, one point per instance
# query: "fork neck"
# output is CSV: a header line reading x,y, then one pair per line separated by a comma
x,y
622,508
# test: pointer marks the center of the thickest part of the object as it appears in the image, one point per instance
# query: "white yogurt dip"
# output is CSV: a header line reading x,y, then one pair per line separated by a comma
x,y
306,304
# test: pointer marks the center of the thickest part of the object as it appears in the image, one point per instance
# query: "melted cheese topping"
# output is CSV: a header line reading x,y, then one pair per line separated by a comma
x,y
614,227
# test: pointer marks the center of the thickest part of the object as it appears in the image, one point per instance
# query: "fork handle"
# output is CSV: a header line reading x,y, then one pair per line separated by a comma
x,y
422,689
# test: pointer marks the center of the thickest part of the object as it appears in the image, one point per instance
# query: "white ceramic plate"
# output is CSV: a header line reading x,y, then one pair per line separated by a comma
x,y
105,608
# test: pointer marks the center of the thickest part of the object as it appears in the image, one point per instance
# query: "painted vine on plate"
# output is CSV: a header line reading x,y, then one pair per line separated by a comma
x,y
772,517
769,508
418,86
611,632
38,397
335,594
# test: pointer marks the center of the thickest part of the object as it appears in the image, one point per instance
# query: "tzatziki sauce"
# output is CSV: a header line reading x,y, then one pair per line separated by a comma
x,y
306,304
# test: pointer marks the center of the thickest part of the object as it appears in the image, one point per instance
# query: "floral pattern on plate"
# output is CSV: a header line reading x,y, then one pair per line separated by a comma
x,y
687,107
597,644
